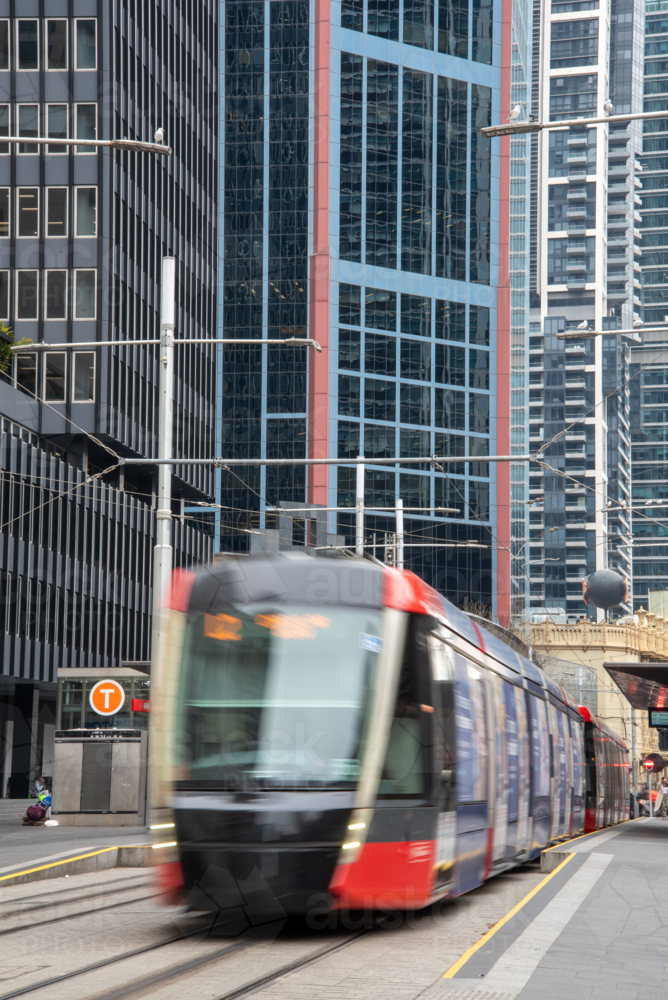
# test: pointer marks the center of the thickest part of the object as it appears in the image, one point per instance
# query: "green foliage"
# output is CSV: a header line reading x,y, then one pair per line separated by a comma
x,y
7,341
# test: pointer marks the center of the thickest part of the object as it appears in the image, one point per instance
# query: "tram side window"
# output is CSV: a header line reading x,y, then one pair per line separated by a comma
x,y
443,673
405,768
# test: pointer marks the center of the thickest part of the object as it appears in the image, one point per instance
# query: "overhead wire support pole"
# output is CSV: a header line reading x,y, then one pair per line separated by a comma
x,y
162,551
400,533
359,507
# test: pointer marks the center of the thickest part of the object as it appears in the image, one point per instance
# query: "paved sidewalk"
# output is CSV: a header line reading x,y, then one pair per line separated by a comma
x,y
599,933
25,846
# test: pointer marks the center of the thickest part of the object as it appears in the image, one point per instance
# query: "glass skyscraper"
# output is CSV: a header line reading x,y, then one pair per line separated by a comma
x,y
583,267
362,206
649,362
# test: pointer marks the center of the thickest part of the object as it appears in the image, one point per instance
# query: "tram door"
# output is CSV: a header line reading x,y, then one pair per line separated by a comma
x,y
472,769
523,774
558,772
577,747
442,659
540,774
502,723
512,772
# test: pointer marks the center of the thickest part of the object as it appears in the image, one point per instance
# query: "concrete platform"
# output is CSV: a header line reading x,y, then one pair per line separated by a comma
x,y
29,847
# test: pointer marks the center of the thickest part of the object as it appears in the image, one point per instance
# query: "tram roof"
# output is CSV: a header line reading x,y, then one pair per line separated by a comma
x,y
644,685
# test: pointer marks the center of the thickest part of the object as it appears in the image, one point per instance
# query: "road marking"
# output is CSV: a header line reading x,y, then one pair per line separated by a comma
x,y
79,857
454,969
511,973
50,857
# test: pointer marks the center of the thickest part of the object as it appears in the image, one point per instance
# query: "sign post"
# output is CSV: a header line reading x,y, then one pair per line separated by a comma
x,y
654,763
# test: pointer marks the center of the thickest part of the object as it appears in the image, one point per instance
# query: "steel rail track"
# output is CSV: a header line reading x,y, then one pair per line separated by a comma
x,y
63,902
72,916
113,960
137,986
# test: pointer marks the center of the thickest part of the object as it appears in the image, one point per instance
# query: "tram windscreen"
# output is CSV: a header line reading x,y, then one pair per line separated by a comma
x,y
277,698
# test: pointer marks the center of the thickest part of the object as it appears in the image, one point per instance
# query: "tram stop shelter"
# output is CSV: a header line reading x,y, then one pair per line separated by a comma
x,y
644,685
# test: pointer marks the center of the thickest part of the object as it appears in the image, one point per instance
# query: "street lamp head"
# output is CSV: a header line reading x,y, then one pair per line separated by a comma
x,y
22,348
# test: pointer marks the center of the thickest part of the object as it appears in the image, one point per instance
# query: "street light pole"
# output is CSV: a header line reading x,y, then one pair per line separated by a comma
x,y
162,553
359,508
162,550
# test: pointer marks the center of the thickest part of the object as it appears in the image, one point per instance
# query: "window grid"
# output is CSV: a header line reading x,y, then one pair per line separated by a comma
x,y
401,392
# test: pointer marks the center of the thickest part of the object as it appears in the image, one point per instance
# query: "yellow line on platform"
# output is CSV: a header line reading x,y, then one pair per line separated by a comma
x,y
454,969
592,833
79,857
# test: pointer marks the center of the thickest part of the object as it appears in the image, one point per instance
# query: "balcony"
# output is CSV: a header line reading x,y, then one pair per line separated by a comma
x,y
575,246
576,266
617,208
577,158
577,212
579,140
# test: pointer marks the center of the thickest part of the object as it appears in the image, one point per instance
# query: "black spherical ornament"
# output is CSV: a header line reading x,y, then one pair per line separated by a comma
x,y
606,589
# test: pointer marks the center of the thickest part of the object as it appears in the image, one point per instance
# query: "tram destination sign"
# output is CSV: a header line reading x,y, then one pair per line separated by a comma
x,y
658,718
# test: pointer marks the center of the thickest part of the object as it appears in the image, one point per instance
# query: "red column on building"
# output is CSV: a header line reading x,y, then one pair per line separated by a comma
x,y
503,338
320,272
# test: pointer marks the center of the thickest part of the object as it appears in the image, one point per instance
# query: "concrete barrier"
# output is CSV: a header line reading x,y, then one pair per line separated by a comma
x,y
549,860
135,856
131,856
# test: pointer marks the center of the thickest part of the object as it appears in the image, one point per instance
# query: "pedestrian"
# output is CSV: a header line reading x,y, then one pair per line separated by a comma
x,y
663,805
38,786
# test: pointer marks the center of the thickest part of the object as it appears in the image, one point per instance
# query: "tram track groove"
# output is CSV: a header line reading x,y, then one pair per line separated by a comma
x,y
72,916
104,962
270,977
63,902
139,986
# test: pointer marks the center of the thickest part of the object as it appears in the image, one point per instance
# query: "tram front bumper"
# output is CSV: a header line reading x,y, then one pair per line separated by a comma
x,y
261,882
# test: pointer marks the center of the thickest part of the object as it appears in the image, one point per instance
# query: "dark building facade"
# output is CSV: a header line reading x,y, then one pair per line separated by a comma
x,y
82,236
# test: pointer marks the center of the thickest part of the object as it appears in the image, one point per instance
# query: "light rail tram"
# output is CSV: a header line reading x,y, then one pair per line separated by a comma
x,y
337,733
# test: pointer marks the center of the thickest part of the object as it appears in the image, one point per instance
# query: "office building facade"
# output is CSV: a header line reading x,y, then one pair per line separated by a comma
x,y
362,206
649,362
82,235
583,269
